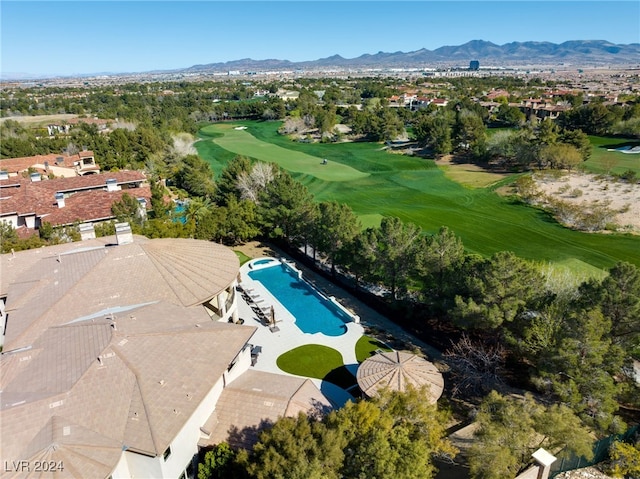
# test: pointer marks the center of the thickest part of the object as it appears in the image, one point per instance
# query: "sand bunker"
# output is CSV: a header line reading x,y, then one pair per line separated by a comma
x,y
586,189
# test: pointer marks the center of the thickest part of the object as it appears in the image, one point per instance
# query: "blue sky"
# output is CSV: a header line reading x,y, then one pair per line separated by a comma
x,y
72,37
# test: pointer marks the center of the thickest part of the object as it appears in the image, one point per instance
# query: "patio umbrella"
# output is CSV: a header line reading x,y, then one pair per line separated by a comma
x,y
395,370
273,315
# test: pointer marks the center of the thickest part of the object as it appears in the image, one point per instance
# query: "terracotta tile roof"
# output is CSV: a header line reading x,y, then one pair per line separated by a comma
x,y
88,200
18,165
264,397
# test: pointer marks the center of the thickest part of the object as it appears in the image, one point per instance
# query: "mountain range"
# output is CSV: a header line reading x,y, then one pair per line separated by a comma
x,y
578,53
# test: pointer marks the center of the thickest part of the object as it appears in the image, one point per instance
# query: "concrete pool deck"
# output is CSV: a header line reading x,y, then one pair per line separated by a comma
x,y
288,336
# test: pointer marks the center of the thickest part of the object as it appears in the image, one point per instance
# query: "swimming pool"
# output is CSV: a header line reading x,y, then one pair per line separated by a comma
x,y
262,261
314,312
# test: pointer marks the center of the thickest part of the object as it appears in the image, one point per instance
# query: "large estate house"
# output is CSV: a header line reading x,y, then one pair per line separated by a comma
x,y
25,203
66,166
122,357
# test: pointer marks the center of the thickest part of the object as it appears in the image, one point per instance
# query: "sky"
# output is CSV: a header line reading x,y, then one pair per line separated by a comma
x,y
84,37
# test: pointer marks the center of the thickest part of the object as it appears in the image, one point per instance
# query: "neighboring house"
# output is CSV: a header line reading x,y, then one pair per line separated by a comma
x,y
67,166
26,203
65,128
539,108
120,359
287,95
441,102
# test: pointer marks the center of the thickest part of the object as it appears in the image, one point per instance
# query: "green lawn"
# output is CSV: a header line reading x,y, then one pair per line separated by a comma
x,y
242,257
602,159
417,191
317,361
367,346
241,142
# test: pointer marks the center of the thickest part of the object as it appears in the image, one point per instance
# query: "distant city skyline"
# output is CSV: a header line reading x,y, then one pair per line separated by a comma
x,y
40,39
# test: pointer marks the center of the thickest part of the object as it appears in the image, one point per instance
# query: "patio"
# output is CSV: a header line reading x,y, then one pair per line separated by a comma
x,y
286,336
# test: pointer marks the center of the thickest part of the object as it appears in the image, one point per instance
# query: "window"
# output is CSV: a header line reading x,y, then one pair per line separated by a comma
x,y
166,454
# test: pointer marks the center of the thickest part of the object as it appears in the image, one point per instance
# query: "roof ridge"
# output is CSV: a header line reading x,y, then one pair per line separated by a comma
x,y
136,374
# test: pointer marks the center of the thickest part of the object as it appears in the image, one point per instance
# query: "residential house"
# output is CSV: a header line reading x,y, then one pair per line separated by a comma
x,y
121,356
67,166
26,203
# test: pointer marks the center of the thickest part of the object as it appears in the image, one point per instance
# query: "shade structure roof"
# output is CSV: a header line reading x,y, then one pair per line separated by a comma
x,y
396,370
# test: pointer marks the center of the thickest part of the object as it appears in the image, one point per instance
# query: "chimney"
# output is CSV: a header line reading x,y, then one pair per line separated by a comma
x,y
142,207
59,160
112,185
87,231
4,175
35,177
123,233
543,460
60,200
46,166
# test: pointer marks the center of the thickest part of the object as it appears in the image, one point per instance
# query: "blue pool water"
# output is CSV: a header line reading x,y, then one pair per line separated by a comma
x,y
179,213
263,261
313,313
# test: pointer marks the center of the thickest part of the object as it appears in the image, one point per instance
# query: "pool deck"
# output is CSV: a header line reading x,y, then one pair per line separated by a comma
x,y
288,336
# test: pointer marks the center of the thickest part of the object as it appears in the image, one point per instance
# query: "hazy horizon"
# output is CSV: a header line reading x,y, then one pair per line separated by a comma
x,y
45,39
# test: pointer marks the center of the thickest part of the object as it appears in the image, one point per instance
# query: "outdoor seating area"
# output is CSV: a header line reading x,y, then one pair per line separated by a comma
x,y
264,312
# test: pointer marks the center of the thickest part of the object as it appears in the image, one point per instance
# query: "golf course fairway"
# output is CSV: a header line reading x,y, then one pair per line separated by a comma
x,y
417,191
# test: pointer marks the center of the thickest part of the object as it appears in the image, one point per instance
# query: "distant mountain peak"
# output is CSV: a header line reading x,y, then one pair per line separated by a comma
x,y
574,52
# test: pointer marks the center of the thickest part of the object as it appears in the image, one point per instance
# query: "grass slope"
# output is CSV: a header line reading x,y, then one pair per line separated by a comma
x,y
602,159
242,142
417,191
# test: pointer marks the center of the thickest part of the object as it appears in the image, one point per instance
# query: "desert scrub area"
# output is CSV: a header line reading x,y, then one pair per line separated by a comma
x,y
584,201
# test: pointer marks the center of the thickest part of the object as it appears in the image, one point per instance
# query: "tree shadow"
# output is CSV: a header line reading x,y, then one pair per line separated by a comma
x,y
248,436
341,377
616,146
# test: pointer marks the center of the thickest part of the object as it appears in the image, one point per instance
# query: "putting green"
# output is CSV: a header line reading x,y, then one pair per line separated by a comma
x,y
237,139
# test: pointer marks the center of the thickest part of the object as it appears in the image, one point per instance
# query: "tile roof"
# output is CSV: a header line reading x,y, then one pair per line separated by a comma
x,y
87,198
138,395
18,165
93,366
396,370
257,399
49,286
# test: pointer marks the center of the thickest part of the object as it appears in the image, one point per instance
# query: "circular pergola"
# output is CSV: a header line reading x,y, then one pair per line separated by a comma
x,y
396,370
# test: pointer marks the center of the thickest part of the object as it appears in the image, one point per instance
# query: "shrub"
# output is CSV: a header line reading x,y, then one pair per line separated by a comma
x,y
576,193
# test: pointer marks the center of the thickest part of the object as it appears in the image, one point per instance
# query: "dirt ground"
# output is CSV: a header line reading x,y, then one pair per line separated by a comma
x,y
44,119
584,473
588,189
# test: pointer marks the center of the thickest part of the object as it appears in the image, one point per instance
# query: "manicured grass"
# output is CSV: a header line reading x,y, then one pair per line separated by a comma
x,y
242,142
470,176
317,361
367,346
310,360
602,159
417,191
242,257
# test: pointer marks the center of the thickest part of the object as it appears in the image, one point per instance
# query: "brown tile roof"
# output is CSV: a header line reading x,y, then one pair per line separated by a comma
x,y
101,354
148,382
396,370
88,201
257,399
46,287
